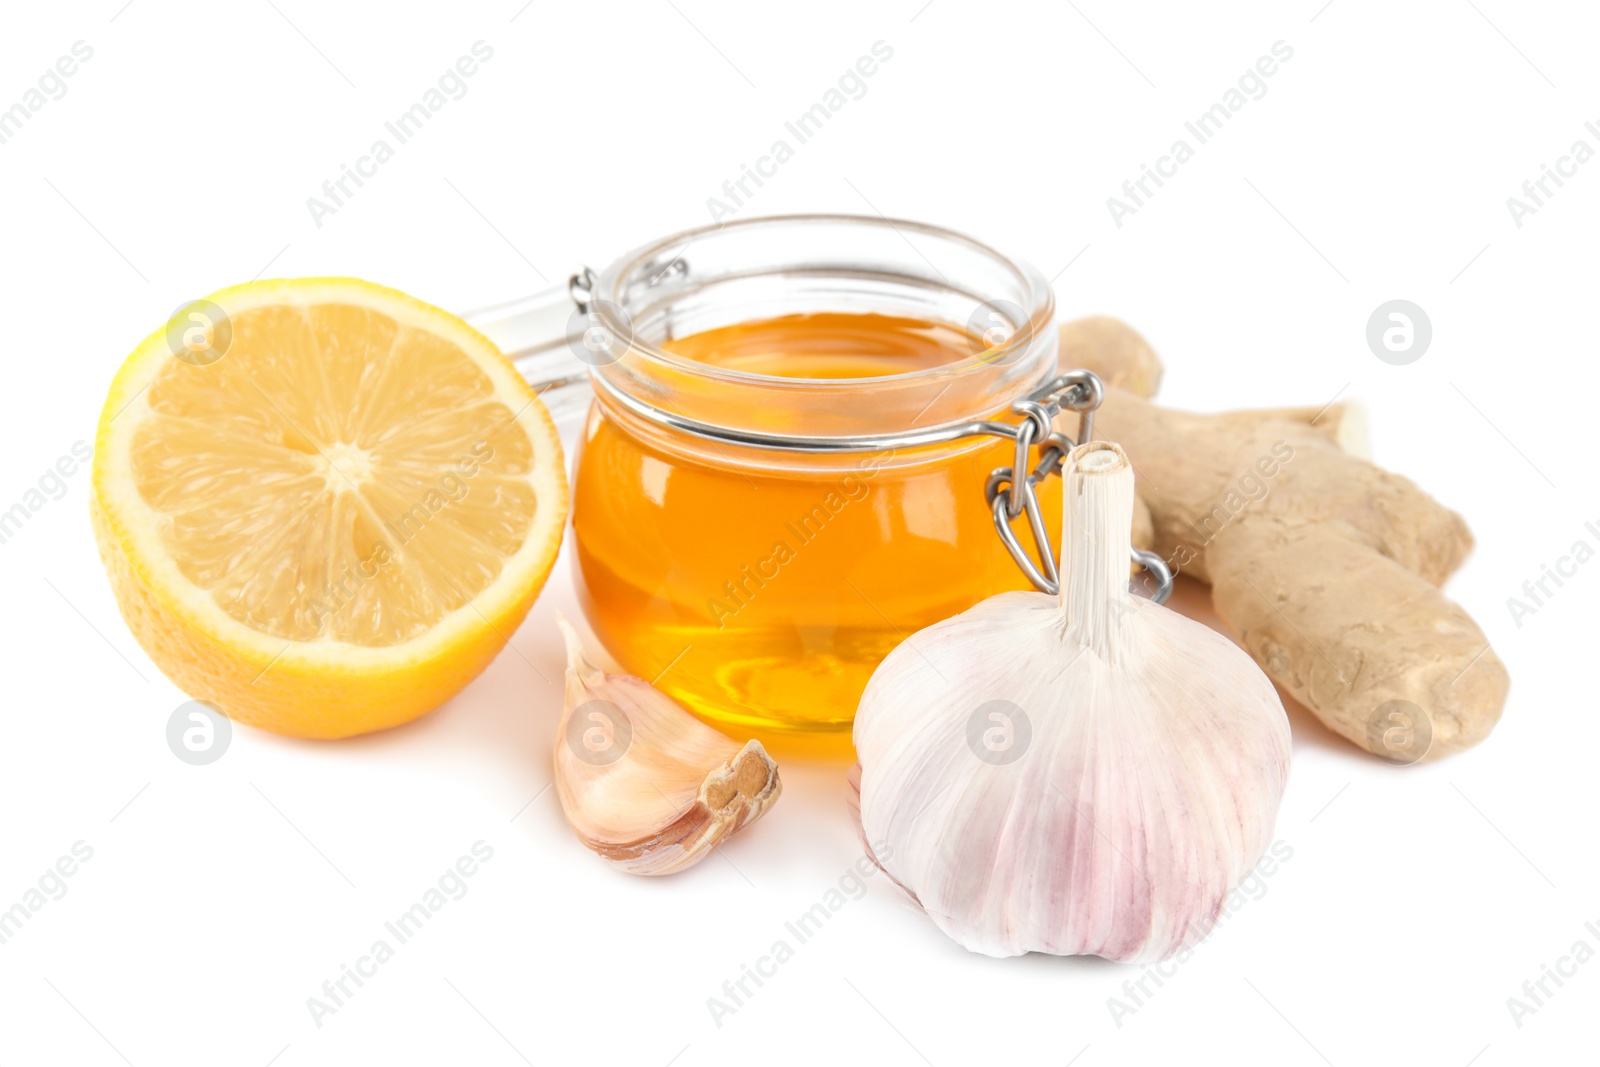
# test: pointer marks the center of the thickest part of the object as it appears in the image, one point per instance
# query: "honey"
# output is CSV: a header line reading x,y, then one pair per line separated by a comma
x,y
828,345
762,597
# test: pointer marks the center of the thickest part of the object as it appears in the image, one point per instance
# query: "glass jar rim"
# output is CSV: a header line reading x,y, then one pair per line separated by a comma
x,y
610,283
771,266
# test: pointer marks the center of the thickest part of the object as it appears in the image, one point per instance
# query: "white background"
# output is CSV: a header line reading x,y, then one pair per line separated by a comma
x,y
1377,166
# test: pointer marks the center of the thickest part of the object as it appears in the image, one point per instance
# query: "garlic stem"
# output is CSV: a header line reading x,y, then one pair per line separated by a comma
x,y
1096,540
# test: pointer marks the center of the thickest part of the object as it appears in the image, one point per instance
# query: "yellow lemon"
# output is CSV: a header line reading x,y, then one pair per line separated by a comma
x,y
324,506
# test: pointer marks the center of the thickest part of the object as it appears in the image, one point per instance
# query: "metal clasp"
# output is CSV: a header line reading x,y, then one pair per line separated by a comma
x,y
580,287
1010,496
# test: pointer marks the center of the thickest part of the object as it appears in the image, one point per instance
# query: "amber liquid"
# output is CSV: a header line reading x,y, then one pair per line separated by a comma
x,y
763,601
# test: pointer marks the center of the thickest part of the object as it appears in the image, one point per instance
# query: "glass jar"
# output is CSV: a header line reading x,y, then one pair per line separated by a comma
x,y
754,544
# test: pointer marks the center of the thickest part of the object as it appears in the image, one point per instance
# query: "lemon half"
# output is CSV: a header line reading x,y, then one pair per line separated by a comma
x,y
324,506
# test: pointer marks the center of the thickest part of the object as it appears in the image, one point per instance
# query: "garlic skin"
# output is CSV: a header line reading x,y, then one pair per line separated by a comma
x,y
642,782
1088,774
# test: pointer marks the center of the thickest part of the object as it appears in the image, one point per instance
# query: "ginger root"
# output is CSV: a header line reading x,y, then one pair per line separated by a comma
x,y
1113,350
1121,357
1324,566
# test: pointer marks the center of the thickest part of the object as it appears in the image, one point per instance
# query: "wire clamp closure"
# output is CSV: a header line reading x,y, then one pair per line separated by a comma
x,y
1010,497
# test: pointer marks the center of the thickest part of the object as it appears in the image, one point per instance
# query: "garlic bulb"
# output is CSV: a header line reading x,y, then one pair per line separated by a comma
x,y
644,783
1085,774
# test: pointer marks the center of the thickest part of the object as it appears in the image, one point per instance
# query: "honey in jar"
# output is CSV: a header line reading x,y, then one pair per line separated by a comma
x,y
760,591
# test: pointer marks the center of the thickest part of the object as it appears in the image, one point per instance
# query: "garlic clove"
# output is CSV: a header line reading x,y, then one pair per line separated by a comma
x,y
1085,775
644,783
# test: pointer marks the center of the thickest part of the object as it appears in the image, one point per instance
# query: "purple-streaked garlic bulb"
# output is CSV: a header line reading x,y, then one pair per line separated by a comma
x,y
1084,774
